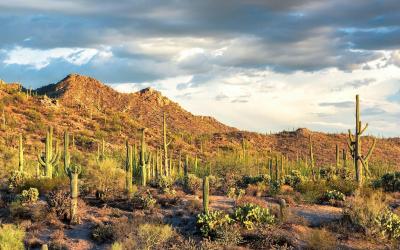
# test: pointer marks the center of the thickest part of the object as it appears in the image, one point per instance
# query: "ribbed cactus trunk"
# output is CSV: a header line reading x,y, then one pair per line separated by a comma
x,y
72,171
21,155
354,144
186,172
143,174
283,165
337,156
277,174
270,168
49,160
205,194
344,158
311,155
128,170
165,144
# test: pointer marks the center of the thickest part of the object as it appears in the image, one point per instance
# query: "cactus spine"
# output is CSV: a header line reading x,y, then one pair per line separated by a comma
x,y
21,155
354,144
49,160
72,171
205,194
128,169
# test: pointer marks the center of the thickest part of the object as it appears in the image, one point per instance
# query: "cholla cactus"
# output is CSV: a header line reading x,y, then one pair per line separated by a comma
x,y
50,159
73,172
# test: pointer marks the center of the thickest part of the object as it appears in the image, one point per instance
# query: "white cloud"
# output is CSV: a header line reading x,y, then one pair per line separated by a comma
x,y
39,59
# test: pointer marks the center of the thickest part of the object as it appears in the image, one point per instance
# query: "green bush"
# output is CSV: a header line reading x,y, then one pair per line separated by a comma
x,y
16,179
390,182
210,223
251,215
194,183
11,237
45,185
229,235
333,195
31,195
293,179
236,193
390,224
152,236
143,200
252,180
103,233
164,182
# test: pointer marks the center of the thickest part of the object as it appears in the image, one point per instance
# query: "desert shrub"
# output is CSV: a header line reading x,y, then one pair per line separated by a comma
x,y
31,195
235,193
143,200
293,179
59,201
253,180
256,189
116,246
194,183
153,236
345,174
18,210
320,239
45,185
389,223
228,235
107,177
16,179
164,182
11,237
328,173
103,233
312,191
333,195
364,210
347,187
251,215
390,182
210,223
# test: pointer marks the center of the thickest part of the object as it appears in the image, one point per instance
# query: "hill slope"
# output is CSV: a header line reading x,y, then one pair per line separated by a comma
x,y
92,110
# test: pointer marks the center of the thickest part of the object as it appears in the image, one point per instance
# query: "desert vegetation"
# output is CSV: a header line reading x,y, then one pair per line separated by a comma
x,y
97,179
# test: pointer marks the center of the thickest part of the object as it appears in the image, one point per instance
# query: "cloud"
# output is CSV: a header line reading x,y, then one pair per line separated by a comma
x,y
355,84
337,104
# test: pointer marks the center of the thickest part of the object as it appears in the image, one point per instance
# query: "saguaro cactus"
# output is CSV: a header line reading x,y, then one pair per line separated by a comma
x,y
128,170
73,172
311,155
67,158
205,194
344,158
186,172
354,144
50,159
337,156
143,160
101,155
166,144
21,155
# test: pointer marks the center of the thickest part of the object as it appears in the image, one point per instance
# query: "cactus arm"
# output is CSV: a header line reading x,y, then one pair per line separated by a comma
x,y
371,149
365,165
365,128
351,136
40,159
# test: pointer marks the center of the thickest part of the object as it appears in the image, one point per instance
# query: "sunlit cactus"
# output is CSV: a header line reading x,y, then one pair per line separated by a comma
x,y
20,155
50,159
205,194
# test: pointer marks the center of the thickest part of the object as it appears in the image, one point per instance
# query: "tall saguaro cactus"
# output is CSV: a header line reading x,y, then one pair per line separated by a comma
x,y
128,169
337,156
50,159
143,160
73,172
186,172
21,155
311,155
166,144
205,194
354,143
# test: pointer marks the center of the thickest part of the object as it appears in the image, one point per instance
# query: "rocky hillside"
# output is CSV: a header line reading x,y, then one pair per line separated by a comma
x,y
91,111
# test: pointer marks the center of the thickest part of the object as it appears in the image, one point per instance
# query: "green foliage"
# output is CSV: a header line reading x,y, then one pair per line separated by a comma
x,y
164,182
294,178
228,235
45,185
389,223
390,182
153,236
16,179
59,202
29,196
209,223
236,193
328,173
252,180
333,195
193,183
251,215
143,200
11,237
103,233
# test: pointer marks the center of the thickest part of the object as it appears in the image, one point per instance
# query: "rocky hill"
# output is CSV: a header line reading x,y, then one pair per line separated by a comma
x,y
91,111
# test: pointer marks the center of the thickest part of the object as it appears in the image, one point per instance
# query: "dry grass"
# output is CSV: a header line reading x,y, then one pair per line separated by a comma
x,y
320,239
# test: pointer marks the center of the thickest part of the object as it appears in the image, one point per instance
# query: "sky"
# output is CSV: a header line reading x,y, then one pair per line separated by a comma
x,y
258,65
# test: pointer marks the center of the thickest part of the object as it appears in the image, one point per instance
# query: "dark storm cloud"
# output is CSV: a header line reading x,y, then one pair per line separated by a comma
x,y
284,36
